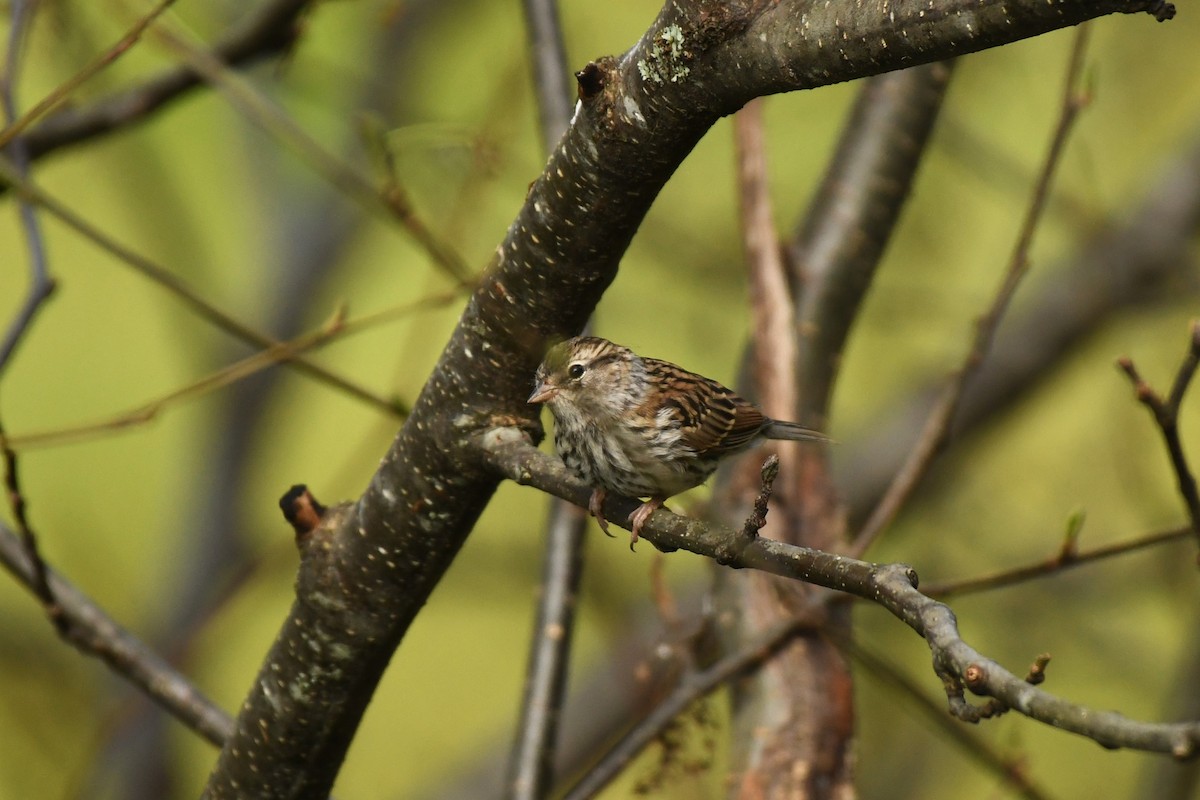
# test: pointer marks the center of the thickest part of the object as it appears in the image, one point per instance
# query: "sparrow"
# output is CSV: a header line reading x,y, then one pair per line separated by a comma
x,y
642,427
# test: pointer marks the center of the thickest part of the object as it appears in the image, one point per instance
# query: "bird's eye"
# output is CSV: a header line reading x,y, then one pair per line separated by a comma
x,y
575,371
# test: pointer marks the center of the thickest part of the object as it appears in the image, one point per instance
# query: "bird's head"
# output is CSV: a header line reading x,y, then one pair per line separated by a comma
x,y
591,377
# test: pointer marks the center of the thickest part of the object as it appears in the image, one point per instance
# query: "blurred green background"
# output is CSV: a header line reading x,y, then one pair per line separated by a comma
x,y
160,521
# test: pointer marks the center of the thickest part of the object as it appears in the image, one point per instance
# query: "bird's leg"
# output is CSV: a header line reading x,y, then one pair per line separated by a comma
x,y
594,507
641,513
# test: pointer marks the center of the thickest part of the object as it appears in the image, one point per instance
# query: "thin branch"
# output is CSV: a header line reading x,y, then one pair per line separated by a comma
x,y
41,285
389,197
1065,559
63,91
163,277
336,329
893,586
94,633
1009,769
1166,415
551,78
694,686
268,29
936,430
39,583
773,346
531,766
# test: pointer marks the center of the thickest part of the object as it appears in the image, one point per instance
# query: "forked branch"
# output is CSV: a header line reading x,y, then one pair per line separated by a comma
x,y
892,586
1166,414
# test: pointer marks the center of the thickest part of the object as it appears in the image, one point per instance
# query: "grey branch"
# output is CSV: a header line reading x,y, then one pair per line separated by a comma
x,y
892,586
97,634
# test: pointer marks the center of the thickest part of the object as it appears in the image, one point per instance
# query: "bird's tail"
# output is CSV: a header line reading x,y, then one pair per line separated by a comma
x,y
778,429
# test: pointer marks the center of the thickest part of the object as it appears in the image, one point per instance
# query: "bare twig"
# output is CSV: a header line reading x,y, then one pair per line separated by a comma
x,y
1059,562
268,29
973,745
163,277
1166,415
937,426
41,285
893,586
693,687
336,329
390,197
64,90
758,519
39,583
95,633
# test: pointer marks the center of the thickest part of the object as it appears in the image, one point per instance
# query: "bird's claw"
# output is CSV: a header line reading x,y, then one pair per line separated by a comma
x,y
640,515
595,508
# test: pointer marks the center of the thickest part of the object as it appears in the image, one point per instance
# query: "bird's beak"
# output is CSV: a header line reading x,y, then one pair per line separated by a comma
x,y
542,393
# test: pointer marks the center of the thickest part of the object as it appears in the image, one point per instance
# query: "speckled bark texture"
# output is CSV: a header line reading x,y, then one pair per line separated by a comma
x,y
366,574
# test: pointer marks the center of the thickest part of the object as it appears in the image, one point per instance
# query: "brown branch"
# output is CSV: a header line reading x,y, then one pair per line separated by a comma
x,y
1166,415
1006,767
1128,262
163,277
335,329
94,633
39,582
693,687
389,198
269,29
892,586
936,430
797,709
64,90
772,345
795,704
1066,558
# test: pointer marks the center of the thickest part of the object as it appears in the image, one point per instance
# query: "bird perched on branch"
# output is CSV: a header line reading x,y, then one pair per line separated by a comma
x,y
642,427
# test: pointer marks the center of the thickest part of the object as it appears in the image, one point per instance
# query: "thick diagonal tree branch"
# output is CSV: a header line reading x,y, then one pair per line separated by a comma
x,y
365,576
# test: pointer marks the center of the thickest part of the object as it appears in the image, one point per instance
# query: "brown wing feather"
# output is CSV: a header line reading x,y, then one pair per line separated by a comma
x,y
714,421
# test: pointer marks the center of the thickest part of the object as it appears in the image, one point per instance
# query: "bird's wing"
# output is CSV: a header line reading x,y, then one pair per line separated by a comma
x,y
713,420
